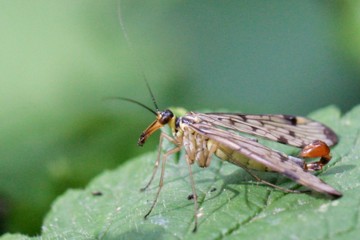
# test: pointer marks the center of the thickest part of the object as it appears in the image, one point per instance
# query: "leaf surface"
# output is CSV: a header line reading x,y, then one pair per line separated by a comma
x,y
232,205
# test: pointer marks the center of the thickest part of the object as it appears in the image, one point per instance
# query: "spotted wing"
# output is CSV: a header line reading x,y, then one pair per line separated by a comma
x,y
276,161
287,129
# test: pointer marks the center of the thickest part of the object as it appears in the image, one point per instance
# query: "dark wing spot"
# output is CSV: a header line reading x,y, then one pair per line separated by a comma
x,y
330,135
282,139
291,119
243,117
283,158
232,122
292,133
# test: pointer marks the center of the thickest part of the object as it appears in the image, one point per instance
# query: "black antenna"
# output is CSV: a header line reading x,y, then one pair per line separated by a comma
x,y
122,25
133,101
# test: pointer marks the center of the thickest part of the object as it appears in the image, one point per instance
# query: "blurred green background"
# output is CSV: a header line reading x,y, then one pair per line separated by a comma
x,y
58,59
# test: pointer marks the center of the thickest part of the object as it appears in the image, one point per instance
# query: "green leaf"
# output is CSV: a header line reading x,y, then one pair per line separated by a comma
x,y
14,237
231,204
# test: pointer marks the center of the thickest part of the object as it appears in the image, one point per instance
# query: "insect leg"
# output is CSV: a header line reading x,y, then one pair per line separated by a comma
x,y
238,163
194,194
313,150
270,184
161,182
212,150
162,136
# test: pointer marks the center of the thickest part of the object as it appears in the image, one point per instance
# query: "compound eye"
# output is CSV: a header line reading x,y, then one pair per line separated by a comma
x,y
166,116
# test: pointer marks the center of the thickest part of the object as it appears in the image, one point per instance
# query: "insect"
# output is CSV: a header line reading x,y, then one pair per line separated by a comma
x,y
203,135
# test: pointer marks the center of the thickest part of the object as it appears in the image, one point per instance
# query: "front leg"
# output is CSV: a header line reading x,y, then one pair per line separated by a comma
x,y
161,182
170,139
